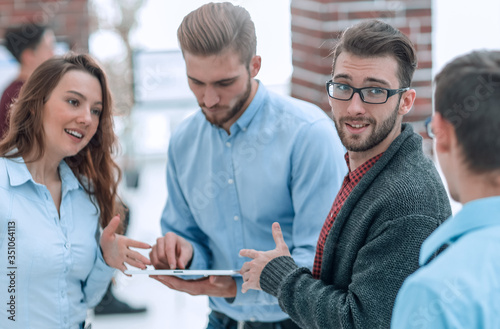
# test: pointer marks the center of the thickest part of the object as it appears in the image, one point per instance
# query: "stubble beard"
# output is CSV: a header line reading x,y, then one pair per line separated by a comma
x,y
355,143
234,110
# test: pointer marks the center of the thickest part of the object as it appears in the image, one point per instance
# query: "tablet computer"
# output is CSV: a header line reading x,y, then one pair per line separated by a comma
x,y
184,272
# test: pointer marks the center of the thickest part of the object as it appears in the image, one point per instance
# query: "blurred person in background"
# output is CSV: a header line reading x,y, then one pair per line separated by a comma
x,y
390,201
457,285
58,188
31,45
248,158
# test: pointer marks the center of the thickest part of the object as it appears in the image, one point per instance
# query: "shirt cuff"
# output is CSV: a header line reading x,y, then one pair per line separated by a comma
x,y
197,262
101,265
275,272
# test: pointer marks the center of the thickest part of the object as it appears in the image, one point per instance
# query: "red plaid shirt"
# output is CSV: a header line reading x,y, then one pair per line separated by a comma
x,y
350,181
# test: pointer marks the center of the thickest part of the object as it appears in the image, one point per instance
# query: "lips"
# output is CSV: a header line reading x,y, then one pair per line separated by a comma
x,y
74,133
358,125
215,109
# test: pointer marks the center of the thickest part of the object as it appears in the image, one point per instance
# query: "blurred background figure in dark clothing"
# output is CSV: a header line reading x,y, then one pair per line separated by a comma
x,y
31,45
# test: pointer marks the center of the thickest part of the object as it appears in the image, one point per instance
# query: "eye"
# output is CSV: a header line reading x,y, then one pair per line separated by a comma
x,y
226,83
376,91
196,82
96,111
342,87
74,102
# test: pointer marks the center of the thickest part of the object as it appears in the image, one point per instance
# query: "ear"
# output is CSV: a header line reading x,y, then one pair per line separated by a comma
x,y
406,102
254,67
444,133
27,56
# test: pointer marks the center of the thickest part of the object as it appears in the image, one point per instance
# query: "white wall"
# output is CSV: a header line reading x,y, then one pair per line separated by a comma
x,y
461,26
159,20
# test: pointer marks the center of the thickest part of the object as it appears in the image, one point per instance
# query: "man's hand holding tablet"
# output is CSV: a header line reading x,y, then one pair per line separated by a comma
x,y
171,254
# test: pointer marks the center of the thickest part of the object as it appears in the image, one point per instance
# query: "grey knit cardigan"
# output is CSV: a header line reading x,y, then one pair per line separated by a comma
x,y
372,247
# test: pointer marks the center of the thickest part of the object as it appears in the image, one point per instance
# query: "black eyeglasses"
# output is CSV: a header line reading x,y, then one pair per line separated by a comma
x,y
428,128
370,95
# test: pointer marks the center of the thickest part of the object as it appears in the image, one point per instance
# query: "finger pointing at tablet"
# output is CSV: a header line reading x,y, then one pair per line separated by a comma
x,y
170,252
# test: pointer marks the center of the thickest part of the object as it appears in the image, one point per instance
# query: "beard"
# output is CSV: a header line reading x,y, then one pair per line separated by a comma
x,y
355,143
232,112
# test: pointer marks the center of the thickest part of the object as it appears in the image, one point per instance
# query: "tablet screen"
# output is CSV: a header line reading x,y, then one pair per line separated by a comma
x,y
184,272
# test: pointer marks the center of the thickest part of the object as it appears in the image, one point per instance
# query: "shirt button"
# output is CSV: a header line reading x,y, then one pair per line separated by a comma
x,y
230,181
228,144
252,319
67,245
244,128
236,218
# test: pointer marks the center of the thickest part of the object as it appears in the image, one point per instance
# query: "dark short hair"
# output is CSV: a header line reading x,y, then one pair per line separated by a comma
x,y
21,37
375,38
216,27
467,94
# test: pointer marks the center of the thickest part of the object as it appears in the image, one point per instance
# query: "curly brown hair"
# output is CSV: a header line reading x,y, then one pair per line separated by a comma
x,y
93,166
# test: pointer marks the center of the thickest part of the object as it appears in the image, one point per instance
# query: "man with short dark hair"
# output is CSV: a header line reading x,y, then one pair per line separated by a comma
x,y
459,288
390,201
31,45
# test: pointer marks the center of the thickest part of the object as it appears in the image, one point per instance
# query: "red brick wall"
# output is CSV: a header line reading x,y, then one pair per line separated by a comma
x,y
68,18
317,24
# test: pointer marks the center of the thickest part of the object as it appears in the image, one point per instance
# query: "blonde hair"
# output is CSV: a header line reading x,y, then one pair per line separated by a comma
x,y
216,27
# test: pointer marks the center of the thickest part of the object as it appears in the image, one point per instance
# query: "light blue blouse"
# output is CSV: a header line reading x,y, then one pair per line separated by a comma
x,y
52,268
283,161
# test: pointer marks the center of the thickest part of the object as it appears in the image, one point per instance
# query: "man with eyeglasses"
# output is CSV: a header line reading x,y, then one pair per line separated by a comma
x,y
391,199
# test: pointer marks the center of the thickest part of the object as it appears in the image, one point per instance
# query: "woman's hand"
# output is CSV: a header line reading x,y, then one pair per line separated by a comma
x,y
116,248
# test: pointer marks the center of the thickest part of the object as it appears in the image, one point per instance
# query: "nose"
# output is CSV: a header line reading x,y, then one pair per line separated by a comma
x,y
356,105
85,116
210,97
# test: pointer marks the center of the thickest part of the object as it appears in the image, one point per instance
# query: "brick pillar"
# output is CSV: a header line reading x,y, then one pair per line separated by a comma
x,y
317,24
68,18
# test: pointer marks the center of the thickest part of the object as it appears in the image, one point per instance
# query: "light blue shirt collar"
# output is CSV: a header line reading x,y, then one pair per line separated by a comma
x,y
60,269
19,174
473,215
17,171
255,105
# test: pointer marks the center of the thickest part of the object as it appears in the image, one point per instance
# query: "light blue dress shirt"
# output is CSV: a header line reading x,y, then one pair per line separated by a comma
x,y
282,161
52,268
460,288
